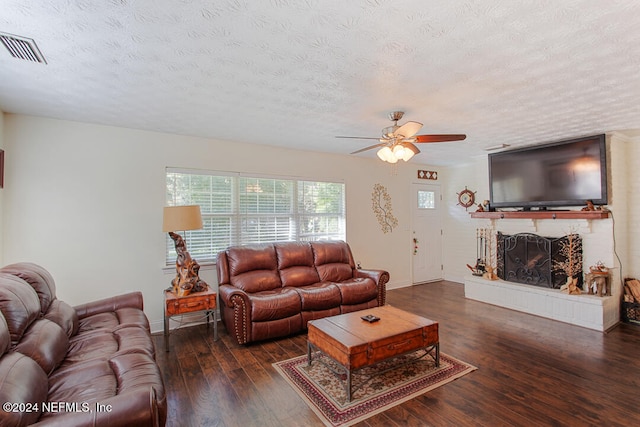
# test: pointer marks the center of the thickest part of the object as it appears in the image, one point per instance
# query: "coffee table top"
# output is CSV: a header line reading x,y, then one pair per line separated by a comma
x,y
351,331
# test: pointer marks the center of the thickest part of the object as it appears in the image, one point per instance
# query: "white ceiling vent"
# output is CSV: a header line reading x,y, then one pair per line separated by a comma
x,y
22,48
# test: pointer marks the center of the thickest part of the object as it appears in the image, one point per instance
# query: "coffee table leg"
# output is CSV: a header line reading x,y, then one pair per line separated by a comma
x,y
348,385
308,353
166,332
437,355
215,324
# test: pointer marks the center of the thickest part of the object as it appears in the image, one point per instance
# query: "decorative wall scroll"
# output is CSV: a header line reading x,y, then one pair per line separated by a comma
x,y
422,174
381,203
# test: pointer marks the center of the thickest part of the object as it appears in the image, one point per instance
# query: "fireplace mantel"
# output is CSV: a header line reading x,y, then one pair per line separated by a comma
x,y
542,215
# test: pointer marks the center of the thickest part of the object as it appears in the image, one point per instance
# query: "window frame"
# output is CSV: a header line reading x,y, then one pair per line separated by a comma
x,y
236,217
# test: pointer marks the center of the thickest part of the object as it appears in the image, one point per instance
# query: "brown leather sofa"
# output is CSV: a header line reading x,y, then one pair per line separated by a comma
x,y
273,290
90,365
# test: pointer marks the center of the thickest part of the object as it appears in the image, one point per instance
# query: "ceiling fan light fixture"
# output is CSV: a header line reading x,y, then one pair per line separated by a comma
x,y
399,151
408,154
399,142
386,155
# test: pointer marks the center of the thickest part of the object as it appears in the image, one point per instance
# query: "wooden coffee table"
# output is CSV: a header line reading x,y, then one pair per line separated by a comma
x,y
355,343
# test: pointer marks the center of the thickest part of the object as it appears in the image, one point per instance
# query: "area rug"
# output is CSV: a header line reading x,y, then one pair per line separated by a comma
x,y
324,391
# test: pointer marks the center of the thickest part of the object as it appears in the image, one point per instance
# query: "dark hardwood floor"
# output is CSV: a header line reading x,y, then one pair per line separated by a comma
x,y
531,371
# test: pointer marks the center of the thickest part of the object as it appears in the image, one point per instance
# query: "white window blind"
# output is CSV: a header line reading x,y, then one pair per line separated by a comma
x,y
240,210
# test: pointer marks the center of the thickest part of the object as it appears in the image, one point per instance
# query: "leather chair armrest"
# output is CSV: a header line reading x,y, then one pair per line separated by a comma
x,y
227,292
381,277
107,305
240,302
134,408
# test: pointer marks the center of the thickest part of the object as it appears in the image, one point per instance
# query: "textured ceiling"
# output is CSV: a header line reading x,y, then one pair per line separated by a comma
x,y
297,73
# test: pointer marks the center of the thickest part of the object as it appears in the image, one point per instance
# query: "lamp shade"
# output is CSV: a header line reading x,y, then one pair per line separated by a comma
x,y
180,218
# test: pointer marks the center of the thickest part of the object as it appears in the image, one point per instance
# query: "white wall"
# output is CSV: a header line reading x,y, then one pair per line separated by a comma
x,y
459,243
85,201
625,157
632,192
624,185
2,232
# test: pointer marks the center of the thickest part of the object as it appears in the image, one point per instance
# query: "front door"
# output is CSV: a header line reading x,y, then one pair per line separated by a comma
x,y
427,233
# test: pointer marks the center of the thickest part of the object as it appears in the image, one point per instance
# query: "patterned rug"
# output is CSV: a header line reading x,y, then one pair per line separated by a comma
x,y
325,393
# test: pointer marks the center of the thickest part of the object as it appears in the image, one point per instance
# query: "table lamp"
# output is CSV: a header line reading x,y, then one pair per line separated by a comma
x,y
183,218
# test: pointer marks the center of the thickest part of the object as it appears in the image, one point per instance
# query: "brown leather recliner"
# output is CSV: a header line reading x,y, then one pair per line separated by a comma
x,y
58,363
273,290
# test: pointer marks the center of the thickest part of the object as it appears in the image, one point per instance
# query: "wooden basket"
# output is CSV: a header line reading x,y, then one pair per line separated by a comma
x,y
631,302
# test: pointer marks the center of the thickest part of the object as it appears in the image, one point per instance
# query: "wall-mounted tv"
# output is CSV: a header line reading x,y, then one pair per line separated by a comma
x,y
564,173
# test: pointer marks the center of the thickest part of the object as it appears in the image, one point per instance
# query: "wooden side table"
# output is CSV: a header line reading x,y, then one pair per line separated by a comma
x,y
200,301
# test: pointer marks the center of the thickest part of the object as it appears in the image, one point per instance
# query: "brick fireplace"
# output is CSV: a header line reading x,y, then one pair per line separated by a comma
x,y
542,299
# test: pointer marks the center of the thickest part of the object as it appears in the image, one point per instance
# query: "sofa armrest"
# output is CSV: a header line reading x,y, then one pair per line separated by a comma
x,y
137,407
381,277
129,300
240,303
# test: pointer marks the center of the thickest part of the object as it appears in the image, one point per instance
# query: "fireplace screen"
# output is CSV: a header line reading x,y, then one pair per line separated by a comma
x,y
535,260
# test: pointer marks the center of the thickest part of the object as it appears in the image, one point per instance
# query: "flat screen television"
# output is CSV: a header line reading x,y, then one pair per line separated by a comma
x,y
564,173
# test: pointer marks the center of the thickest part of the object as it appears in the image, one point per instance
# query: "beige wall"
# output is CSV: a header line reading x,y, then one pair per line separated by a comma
x,y
2,231
85,202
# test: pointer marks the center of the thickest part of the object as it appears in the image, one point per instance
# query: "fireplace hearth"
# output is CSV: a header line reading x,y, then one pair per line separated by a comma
x,y
535,260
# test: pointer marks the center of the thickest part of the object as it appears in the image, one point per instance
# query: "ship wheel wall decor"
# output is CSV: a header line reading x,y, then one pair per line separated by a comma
x,y
466,198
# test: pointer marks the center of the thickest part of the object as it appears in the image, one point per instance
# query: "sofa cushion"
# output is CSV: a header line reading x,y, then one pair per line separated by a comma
x,y
112,320
5,338
136,370
295,264
39,279
88,347
19,304
358,290
291,254
319,296
253,268
22,381
87,382
103,344
275,304
64,316
46,343
333,260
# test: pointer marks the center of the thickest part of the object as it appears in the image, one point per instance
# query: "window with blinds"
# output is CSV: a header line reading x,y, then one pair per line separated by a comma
x,y
240,210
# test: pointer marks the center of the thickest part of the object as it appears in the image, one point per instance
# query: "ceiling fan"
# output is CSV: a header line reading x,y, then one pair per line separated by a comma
x,y
398,142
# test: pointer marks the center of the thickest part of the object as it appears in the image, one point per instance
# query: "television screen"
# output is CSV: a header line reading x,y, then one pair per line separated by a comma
x,y
566,173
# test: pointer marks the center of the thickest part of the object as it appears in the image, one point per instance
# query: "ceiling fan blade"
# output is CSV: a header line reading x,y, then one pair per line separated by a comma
x,y
408,129
369,147
440,138
357,137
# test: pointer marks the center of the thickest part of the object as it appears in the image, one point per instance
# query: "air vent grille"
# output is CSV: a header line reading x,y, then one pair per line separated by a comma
x,y
22,48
